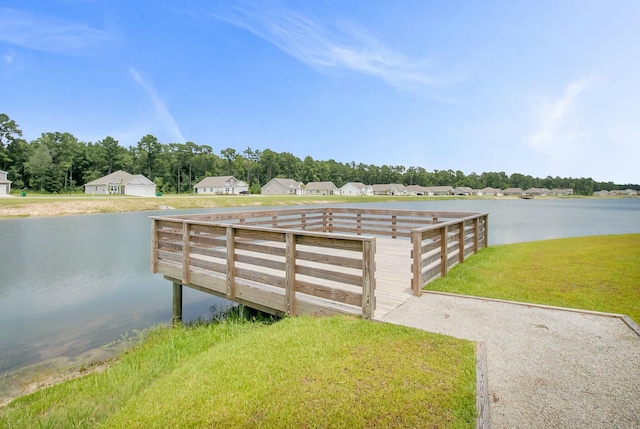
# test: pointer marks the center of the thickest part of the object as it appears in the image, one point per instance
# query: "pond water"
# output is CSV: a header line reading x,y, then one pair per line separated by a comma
x,y
71,284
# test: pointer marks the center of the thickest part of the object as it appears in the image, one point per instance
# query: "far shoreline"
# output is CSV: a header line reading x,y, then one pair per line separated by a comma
x,y
42,205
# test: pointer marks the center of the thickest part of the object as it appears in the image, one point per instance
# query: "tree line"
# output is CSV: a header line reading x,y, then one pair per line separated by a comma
x,y
58,163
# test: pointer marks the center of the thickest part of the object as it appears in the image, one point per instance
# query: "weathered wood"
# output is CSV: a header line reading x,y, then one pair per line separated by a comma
x,y
177,303
154,246
368,279
231,264
242,256
290,275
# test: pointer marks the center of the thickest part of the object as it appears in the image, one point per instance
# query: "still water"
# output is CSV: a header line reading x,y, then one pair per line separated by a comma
x,y
72,284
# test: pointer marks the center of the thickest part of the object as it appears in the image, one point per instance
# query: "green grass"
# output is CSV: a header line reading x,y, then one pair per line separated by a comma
x,y
600,273
299,372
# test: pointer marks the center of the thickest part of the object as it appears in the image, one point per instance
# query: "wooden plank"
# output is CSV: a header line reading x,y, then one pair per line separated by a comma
x,y
444,249
368,279
329,259
268,297
330,242
326,292
186,252
154,246
231,265
416,255
290,275
261,277
267,249
257,235
331,275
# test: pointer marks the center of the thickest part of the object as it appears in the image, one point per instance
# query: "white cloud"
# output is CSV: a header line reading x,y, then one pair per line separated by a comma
x,y
558,132
48,34
7,58
163,115
343,45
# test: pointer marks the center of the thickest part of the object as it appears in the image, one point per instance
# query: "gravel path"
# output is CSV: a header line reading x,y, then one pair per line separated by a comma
x,y
547,368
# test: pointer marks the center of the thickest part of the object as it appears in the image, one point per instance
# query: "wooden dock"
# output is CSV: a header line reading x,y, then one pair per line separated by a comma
x,y
318,261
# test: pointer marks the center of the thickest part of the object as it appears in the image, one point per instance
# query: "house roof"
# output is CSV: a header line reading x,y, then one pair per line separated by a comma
x,y
313,186
285,183
415,188
513,191
115,177
357,185
464,189
122,178
441,188
218,182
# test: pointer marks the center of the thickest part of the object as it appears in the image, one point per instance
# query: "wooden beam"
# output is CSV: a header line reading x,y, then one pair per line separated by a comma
x,y
368,279
231,263
177,303
444,250
290,274
416,266
154,246
186,253
461,242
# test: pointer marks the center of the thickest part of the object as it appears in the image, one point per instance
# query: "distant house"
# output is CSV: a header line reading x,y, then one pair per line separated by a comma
x,y
321,188
602,193
440,190
122,183
561,192
493,192
5,184
279,186
463,190
538,192
389,189
356,188
221,185
415,190
513,192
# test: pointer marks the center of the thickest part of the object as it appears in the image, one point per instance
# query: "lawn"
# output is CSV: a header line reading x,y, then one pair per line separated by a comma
x,y
600,273
298,372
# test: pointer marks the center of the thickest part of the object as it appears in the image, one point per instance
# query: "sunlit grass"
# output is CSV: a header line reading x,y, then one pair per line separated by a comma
x,y
299,372
600,273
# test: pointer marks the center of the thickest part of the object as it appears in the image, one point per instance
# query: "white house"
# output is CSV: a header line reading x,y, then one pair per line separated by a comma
x,y
122,183
416,190
389,189
321,188
463,190
494,192
221,185
5,184
356,188
279,186
440,190
513,192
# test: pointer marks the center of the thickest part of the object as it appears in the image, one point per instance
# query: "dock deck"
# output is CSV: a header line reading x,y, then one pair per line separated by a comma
x,y
318,261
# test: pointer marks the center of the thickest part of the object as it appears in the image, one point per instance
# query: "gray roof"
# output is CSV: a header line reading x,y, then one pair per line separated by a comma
x,y
219,182
122,178
313,186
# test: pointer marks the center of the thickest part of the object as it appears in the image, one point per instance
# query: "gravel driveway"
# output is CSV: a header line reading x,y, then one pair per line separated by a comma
x,y
547,368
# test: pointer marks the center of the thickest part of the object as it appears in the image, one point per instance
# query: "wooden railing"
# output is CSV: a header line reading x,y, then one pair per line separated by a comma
x,y
317,260
436,249
274,270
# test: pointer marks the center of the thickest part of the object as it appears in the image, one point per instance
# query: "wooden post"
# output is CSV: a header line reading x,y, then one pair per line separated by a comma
x,y
486,230
416,255
290,274
186,253
393,226
303,221
154,246
476,233
231,262
359,224
461,243
330,226
444,250
177,303
368,278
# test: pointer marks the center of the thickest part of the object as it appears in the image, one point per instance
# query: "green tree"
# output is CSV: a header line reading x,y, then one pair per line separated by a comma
x,y
8,131
40,163
148,151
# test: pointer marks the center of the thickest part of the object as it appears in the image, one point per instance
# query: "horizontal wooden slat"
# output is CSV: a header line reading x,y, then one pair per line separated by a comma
x,y
332,294
331,243
350,279
329,259
252,234
260,277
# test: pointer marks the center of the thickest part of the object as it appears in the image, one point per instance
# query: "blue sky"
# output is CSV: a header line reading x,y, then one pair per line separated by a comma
x,y
546,88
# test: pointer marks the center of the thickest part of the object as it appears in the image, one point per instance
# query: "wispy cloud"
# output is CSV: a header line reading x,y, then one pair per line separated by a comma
x,y
162,112
51,35
7,58
344,45
556,133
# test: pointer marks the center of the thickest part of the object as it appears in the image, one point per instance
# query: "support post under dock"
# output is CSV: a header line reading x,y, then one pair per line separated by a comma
x,y
177,303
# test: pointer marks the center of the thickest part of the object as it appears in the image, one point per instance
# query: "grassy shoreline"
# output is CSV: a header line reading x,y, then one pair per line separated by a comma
x,y
298,372
38,205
